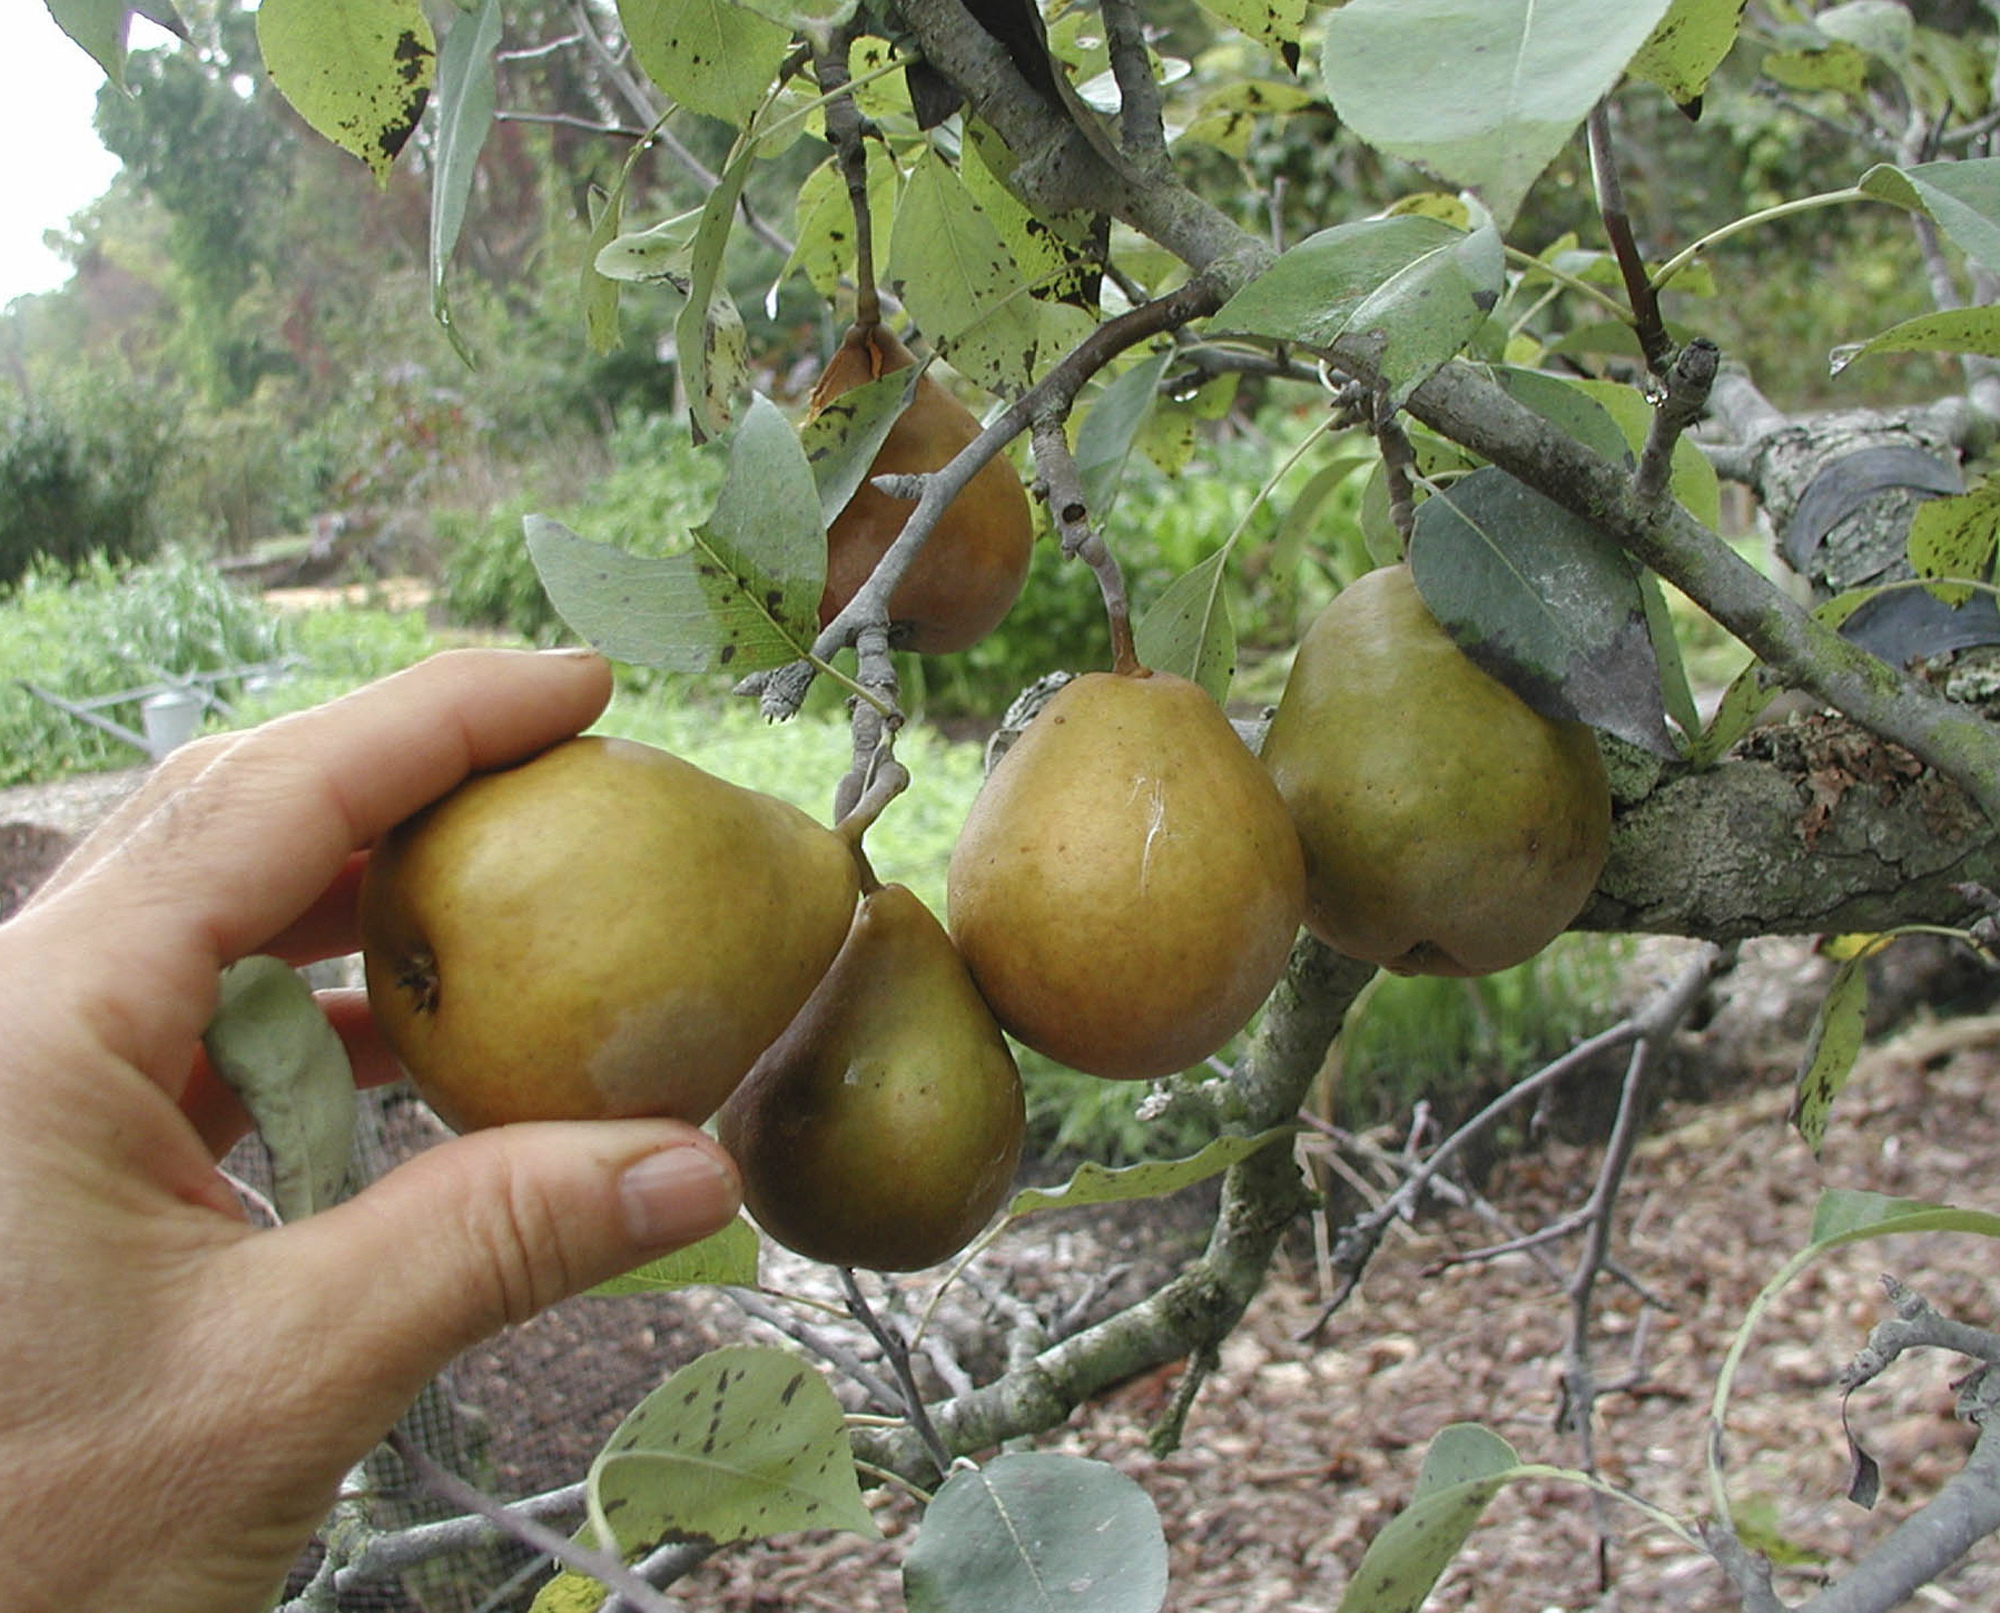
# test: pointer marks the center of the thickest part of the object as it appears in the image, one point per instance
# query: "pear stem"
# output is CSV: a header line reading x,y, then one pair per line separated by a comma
x,y
1062,484
847,131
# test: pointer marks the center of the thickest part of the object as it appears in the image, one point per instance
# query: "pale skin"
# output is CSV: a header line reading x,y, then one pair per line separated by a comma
x,y
181,1392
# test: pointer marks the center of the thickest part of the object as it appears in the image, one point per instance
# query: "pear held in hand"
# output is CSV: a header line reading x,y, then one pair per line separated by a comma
x,y
884,1127
1449,827
1128,885
971,568
604,929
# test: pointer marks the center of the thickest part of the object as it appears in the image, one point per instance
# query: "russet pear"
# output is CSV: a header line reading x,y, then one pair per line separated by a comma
x,y
971,568
604,929
883,1128
1128,885
1449,827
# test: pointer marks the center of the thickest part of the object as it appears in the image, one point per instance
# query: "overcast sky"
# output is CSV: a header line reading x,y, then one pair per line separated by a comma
x,y
50,162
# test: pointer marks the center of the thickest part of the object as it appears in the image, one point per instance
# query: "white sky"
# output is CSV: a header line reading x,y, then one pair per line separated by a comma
x,y
51,165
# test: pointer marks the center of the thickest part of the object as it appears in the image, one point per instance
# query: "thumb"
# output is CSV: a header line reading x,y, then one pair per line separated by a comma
x,y
486,1230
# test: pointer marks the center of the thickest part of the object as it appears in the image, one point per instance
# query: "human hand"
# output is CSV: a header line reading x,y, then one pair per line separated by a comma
x,y
181,1394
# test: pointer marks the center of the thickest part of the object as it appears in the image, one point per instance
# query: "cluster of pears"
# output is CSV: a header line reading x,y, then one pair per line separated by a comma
x,y
1449,827
608,930
971,568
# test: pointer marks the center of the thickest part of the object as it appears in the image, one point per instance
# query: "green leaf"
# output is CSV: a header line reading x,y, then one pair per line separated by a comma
x,y
1955,330
709,338
358,71
958,280
823,248
1463,1469
1301,521
1882,28
1275,23
1675,690
1688,46
1410,290
660,253
1038,1533
99,26
273,1047
711,56
726,1259
1544,602
1523,75
741,1443
1835,66
841,441
1832,1047
1101,1184
465,114
1227,116
746,597
1567,405
1691,477
1188,631
1104,440
1962,198
598,293
1954,537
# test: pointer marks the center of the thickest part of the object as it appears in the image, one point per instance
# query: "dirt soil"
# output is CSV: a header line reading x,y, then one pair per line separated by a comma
x,y
1299,1450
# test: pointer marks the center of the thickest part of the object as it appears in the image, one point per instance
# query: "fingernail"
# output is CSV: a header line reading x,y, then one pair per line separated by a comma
x,y
676,1196
572,652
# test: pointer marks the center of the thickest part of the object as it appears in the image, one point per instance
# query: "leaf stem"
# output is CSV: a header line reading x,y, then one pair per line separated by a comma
x,y
1766,215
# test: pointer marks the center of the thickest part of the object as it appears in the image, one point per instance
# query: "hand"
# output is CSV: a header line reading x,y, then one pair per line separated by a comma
x,y
181,1394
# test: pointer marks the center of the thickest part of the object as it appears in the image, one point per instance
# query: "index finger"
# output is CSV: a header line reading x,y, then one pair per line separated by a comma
x,y
237,852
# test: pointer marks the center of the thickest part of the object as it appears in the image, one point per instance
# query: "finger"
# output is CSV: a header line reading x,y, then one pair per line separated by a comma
x,y
484,1231
240,850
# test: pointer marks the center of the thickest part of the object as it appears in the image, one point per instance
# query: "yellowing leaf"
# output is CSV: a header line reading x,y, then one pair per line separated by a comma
x,y
358,71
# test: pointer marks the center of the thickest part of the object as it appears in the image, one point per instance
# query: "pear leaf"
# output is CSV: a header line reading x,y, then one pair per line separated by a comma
x,y
358,71
1838,1030
741,1443
1275,23
1104,440
961,284
1188,631
660,253
745,597
598,292
465,101
100,27
1834,65
1688,46
1963,198
273,1047
1544,602
709,338
1463,1469
711,56
1954,537
1954,330
725,1259
1037,1532
1102,1184
1523,74
841,441
823,235
1411,291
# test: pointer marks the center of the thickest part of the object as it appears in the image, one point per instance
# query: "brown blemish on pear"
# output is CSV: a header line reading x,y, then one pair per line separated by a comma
x,y
975,561
602,930
884,1127
1128,885
1449,827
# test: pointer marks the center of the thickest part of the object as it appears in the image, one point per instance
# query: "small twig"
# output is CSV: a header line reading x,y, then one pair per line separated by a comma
x,y
599,1565
1165,1437
898,1354
1647,324
1399,463
1080,539
1681,404
835,1354
1141,128
847,131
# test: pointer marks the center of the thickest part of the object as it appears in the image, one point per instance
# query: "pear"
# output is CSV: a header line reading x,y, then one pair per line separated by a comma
x,y
884,1127
604,929
1449,827
972,566
1128,885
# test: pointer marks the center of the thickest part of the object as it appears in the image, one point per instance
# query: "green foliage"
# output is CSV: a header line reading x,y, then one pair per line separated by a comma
x,y
107,630
77,479
1451,1041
